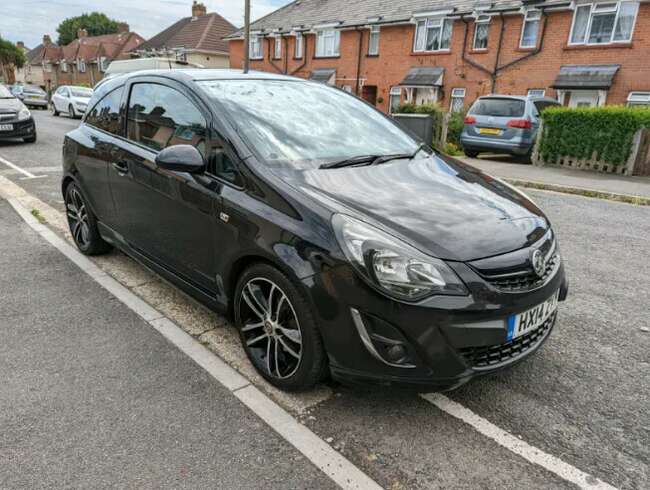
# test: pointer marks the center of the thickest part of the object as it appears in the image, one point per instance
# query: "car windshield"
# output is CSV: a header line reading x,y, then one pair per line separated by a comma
x,y
34,90
303,125
5,93
499,107
85,93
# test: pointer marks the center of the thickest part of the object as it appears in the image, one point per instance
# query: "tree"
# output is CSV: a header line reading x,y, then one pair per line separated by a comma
x,y
95,23
11,57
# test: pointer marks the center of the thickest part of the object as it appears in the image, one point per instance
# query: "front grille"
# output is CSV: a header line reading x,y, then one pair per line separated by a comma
x,y
492,356
527,281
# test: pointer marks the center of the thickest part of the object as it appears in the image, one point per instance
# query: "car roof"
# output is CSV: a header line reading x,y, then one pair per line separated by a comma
x,y
519,97
197,74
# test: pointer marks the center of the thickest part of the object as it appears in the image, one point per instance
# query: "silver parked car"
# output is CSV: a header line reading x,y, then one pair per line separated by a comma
x,y
503,124
30,95
71,100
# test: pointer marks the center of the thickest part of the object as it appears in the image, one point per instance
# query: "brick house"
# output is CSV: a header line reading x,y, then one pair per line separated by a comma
x,y
585,53
84,60
196,39
40,68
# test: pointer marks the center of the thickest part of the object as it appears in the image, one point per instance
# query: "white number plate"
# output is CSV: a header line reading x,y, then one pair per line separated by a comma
x,y
6,127
523,323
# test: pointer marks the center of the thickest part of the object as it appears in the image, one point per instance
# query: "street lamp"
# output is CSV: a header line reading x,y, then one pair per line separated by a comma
x,y
247,35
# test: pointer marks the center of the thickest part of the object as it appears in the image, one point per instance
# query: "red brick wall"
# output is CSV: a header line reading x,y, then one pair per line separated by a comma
x,y
396,59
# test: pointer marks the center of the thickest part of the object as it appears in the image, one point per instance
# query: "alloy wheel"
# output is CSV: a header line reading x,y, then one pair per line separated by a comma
x,y
78,217
270,328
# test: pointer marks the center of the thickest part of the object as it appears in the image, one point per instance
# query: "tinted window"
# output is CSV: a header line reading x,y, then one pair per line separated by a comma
x,y
160,116
105,115
302,124
499,107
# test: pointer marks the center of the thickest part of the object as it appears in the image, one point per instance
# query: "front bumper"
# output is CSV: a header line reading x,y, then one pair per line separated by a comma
x,y
21,129
447,336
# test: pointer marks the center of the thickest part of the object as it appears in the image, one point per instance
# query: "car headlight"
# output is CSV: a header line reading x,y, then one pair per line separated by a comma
x,y
24,114
397,268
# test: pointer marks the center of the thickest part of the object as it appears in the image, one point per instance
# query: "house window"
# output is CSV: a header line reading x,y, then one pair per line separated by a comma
x,y
433,35
299,44
256,48
102,64
604,23
47,67
395,99
530,29
638,99
481,32
277,51
64,67
328,43
81,66
457,100
536,92
373,41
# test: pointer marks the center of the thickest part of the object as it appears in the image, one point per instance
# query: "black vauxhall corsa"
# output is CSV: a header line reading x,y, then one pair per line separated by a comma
x,y
338,243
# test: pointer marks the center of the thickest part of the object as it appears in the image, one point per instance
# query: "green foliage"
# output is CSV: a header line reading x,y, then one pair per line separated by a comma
x,y
419,109
453,149
95,23
607,132
455,127
11,55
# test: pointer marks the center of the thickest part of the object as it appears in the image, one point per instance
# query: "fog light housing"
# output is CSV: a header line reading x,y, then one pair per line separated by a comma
x,y
384,342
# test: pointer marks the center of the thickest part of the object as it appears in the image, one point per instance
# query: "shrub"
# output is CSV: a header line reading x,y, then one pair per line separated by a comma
x,y
455,127
579,133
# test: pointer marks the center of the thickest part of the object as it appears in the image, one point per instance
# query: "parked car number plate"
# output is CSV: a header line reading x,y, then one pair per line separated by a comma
x,y
6,127
492,131
527,321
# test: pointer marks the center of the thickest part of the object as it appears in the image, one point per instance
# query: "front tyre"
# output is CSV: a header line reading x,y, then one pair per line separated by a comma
x,y
83,224
278,330
72,112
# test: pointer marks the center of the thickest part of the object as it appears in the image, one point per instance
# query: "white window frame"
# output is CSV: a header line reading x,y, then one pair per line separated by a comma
x,y
532,91
481,20
394,92
322,35
298,48
428,23
102,64
531,16
595,9
277,48
64,66
373,46
638,99
81,65
457,93
255,48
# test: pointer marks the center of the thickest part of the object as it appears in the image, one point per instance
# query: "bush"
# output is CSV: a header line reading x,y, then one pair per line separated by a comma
x,y
455,127
579,133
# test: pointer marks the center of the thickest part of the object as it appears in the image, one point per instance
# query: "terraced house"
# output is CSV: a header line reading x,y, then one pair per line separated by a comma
x,y
584,52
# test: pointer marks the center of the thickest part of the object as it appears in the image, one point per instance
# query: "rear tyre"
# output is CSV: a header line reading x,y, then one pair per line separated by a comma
x,y
471,153
278,330
83,224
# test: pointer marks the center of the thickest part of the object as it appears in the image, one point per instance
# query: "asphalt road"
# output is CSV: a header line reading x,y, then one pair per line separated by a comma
x,y
584,398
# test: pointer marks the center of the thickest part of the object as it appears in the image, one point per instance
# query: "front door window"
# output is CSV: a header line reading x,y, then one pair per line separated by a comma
x,y
584,98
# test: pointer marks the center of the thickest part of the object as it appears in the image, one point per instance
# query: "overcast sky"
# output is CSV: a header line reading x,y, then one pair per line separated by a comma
x,y
28,20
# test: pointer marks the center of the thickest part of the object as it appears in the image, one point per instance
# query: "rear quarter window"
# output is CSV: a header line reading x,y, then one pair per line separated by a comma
x,y
496,107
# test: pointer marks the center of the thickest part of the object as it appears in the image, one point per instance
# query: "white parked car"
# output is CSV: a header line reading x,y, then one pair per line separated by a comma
x,y
71,100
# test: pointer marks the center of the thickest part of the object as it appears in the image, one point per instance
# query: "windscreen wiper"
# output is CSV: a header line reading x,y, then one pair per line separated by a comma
x,y
349,162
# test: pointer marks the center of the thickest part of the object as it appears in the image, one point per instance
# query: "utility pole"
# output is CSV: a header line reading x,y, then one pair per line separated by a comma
x,y
247,35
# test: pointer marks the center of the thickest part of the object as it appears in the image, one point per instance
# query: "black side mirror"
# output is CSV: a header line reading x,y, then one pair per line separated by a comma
x,y
181,158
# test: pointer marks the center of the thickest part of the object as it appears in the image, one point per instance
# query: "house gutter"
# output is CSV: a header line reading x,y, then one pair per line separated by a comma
x,y
358,88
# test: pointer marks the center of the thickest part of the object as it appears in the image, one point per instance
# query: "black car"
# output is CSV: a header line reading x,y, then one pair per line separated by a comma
x,y
16,122
336,241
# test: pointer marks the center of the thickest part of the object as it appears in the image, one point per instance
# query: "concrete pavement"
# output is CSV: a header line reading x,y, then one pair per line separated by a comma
x,y
508,168
93,397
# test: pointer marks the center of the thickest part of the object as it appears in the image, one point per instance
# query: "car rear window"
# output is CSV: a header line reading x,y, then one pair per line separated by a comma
x,y
499,107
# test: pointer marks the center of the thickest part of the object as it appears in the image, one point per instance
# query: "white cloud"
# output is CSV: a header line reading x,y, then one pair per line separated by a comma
x,y
28,20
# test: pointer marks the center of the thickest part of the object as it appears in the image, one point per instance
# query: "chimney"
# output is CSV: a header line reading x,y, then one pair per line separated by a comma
x,y
81,33
123,27
198,9
47,40
20,45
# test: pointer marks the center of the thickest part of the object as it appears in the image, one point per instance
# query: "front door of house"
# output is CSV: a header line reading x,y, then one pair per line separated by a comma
x,y
584,98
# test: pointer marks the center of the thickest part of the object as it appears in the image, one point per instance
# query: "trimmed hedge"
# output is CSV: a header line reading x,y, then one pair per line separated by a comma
x,y
579,133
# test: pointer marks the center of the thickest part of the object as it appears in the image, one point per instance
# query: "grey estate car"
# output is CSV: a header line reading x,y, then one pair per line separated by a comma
x,y
503,124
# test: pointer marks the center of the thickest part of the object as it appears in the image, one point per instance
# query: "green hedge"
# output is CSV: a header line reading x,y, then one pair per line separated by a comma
x,y
579,133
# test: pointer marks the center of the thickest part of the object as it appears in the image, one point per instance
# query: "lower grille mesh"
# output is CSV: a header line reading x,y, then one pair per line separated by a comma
x,y
493,355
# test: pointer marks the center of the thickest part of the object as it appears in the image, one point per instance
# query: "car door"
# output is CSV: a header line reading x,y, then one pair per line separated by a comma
x,y
166,216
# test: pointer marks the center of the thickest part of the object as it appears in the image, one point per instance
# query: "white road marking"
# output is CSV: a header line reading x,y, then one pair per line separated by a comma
x,y
530,453
28,175
321,454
